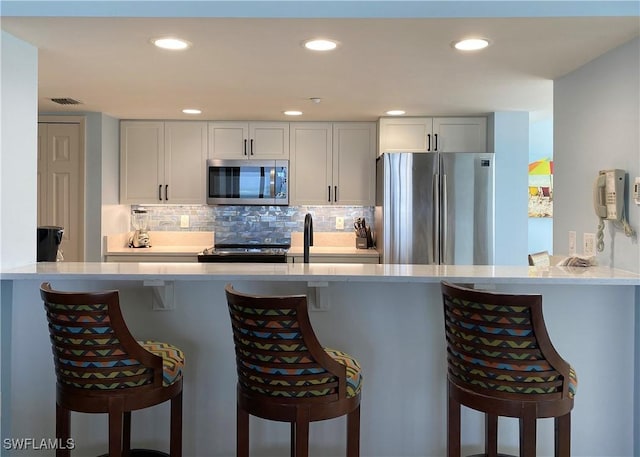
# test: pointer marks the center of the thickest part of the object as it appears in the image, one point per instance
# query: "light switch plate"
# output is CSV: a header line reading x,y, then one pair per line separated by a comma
x,y
589,244
184,221
572,242
339,223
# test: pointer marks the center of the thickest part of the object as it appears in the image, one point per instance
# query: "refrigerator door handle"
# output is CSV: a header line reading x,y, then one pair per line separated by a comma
x,y
435,242
444,222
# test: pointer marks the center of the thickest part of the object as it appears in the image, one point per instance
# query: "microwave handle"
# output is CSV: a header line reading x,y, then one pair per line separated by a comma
x,y
272,182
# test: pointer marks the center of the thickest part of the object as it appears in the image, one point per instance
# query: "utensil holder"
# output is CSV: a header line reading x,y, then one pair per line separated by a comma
x,y
361,243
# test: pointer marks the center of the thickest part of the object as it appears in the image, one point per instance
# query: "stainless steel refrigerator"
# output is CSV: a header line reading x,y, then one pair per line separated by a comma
x,y
435,208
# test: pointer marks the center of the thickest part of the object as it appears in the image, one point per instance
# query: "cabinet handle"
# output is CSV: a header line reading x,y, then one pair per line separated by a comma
x,y
428,142
160,192
251,146
166,192
245,147
329,190
335,194
436,138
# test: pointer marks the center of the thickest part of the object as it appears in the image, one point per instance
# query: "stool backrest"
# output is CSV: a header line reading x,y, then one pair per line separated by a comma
x,y
277,352
498,345
92,346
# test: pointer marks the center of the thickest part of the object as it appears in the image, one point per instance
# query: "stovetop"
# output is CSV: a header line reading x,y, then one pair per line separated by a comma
x,y
247,249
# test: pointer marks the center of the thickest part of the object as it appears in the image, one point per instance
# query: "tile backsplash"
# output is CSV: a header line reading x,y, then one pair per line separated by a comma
x,y
242,224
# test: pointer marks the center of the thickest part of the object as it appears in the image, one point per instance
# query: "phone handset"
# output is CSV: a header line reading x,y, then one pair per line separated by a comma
x,y
608,202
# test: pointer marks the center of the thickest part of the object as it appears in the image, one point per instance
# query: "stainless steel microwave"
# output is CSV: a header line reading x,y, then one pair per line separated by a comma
x,y
247,182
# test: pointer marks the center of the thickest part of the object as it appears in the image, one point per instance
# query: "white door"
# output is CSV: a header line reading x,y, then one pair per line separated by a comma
x,y
460,134
354,163
228,140
185,149
311,164
61,175
406,134
142,162
269,140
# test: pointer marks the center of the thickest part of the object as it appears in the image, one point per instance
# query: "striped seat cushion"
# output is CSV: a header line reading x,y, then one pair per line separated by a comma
x,y
172,360
354,372
573,382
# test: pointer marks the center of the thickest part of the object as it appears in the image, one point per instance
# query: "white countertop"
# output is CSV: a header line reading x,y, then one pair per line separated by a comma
x,y
162,244
322,272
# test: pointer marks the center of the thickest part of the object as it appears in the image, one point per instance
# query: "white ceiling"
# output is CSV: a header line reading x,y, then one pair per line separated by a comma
x,y
256,68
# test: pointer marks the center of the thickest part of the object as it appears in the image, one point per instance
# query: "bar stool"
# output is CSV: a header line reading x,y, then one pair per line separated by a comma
x,y
101,368
501,362
284,374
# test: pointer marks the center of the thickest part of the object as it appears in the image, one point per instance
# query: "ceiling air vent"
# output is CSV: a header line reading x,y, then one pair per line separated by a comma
x,y
66,101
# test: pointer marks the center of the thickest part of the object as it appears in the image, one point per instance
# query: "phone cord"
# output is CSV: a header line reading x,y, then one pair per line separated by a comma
x,y
600,236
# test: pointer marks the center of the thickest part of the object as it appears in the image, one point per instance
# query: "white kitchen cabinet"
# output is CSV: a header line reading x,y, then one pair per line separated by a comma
x,y
437,134
354,163
162,162
332,164
248,140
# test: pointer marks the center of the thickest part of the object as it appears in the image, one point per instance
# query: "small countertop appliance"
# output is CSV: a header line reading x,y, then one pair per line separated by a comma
x,y
140,221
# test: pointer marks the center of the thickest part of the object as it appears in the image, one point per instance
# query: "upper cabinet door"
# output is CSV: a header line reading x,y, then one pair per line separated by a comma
x,y
406,134
310,170
460,134
228,140
248,140
141,162
269,140
354,163
185,162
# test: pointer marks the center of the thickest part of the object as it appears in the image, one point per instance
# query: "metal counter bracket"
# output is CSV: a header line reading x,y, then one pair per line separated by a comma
x,y
318,295
163,296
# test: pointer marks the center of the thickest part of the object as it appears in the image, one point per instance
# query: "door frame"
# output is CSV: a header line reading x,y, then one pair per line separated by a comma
x,y
81,120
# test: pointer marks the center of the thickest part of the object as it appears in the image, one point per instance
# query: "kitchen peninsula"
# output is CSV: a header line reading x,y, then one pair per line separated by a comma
x,y
388,316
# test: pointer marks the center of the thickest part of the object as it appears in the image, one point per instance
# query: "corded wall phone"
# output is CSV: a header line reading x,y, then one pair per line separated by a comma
x,y
608,202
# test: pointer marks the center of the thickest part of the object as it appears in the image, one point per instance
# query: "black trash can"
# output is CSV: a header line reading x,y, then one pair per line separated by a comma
x,y
49,238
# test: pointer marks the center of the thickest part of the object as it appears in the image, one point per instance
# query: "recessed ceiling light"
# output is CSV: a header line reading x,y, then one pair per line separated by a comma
x,y
472,44
320,45
395,112
191,111
293,113
174,44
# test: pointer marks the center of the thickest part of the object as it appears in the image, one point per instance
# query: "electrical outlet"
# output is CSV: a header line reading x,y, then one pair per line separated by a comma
x,y
589,244
572,242
339,223
184,221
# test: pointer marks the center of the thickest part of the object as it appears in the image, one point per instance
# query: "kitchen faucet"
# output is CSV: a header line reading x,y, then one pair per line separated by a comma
x,y
308,236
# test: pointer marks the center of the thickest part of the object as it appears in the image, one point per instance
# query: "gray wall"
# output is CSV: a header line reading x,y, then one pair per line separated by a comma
x,y
509,139
18,159
596,126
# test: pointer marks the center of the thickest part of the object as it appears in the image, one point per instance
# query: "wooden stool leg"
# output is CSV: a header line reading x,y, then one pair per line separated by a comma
x,y
126,434
528,432
242,432
175,440
302,432
491,435
353,433
563,435
63,430
115,434
453,426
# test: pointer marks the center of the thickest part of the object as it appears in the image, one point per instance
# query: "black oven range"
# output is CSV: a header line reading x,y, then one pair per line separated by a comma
x,y
248,253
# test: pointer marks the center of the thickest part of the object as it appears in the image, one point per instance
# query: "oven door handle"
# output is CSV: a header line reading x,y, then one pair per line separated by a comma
x,y
272,182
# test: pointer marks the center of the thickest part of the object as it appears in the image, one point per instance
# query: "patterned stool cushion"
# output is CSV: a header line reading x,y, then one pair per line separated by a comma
x,y
573,382
354,372
172,360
